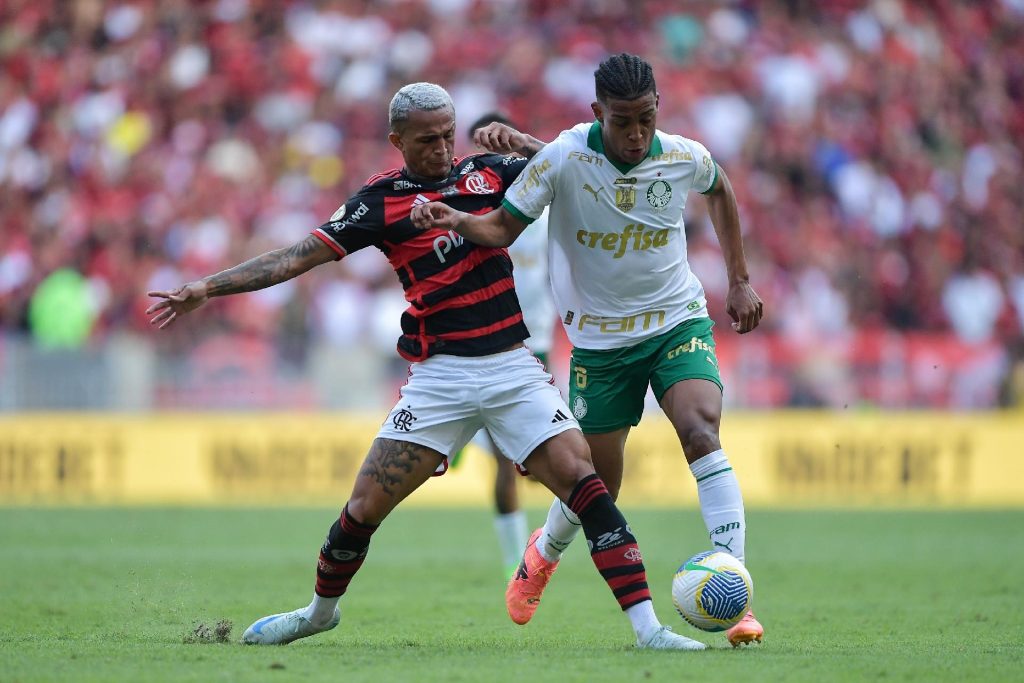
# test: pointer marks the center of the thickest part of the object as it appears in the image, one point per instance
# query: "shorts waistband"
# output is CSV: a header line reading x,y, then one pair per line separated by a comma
x,y
491,360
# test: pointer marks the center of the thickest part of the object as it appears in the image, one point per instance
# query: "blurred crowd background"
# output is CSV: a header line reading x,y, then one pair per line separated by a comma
x,y
875,147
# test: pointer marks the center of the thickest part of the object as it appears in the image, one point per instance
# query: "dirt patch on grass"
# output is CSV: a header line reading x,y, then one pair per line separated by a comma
x,y
202,632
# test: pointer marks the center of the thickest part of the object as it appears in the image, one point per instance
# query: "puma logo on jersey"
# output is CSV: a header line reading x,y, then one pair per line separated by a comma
x,y
588,188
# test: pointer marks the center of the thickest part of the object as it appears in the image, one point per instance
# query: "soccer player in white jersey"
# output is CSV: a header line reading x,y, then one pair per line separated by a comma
x,y
633,310
530,265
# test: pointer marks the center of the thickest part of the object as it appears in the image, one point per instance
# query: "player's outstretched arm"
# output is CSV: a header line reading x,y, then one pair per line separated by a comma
x,y
498,228
742,303
260,272
503,139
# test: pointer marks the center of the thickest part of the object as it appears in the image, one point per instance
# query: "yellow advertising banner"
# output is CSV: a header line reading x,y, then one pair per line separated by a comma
x,y
781,458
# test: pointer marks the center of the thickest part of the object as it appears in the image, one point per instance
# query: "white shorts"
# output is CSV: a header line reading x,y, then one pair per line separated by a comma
x,y
448,399
483,440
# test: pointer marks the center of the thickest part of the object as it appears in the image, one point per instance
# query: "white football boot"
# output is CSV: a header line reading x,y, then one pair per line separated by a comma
x,y
665,639
281,629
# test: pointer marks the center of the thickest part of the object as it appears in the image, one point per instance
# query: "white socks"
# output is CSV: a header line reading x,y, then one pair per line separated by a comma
x,y
320,611
512,536
721,503
560,528
644,620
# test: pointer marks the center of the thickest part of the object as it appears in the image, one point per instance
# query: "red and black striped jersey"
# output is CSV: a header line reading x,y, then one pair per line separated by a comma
x,y
462,299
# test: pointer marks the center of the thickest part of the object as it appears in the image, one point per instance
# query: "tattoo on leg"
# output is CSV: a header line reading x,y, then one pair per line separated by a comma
x,y
390,461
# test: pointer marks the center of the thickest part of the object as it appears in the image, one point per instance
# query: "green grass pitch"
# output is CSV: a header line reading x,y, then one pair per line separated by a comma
x,y
114,594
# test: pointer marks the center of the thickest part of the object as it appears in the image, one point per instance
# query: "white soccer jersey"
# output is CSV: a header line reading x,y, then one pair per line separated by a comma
x,y
530,269
617,249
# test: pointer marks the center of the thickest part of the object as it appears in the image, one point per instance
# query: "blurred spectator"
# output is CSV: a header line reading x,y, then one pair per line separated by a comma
x,y
874,146
61,310
1011,391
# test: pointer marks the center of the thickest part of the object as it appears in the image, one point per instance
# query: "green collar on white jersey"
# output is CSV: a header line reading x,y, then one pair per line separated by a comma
x,y
596,143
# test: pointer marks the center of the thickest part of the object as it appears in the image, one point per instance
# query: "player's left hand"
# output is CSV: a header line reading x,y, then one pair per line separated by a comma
x,y
499,138
744,306
435,215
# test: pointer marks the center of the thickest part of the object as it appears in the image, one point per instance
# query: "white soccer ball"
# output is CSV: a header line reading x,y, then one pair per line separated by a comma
x,y
712,591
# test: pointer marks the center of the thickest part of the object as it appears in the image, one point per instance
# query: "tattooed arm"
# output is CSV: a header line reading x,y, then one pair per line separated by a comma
x,y
260,272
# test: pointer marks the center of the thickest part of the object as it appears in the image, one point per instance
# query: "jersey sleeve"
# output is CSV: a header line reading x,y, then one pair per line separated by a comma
x,y
357,223
705,171
510,167
535,187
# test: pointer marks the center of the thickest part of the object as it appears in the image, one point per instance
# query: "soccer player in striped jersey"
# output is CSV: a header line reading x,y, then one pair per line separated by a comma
x,y
463,334
632,308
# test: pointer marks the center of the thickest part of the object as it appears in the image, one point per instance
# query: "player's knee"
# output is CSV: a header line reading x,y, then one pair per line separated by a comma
x,y
576,470
368,509
698,437
566,461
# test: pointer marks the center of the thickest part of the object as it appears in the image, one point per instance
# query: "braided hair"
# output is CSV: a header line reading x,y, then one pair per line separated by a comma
x,y
623,77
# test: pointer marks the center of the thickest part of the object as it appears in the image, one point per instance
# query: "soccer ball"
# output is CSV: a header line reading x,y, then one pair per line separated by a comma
x,y
712,591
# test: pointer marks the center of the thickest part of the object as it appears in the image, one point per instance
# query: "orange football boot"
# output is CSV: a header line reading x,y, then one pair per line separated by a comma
x,y
746,631
524,589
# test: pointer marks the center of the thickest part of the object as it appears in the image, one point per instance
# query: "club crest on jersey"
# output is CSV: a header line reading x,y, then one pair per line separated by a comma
x,y
659,194
477,184
625,198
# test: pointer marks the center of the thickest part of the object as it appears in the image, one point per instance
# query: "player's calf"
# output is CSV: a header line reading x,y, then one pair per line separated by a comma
x,y
613,547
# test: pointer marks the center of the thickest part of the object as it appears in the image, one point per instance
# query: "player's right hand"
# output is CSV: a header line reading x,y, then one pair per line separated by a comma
x,y
744,306
176,302
435,215
499,138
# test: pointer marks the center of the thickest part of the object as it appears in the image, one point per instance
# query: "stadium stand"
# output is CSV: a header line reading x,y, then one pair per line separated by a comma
x,y
875,148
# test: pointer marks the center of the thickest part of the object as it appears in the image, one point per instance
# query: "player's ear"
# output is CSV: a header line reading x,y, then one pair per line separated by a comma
x,y
396,140
598,111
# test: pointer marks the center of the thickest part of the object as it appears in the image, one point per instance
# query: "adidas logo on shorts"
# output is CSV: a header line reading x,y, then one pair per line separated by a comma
x,y
559,417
